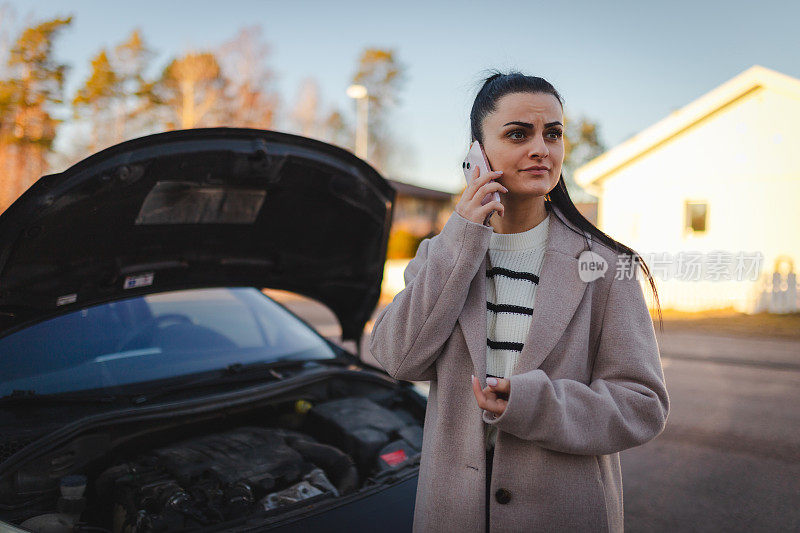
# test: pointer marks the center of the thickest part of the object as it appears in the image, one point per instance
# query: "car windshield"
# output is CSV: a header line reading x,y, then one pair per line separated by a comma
x,y
154,337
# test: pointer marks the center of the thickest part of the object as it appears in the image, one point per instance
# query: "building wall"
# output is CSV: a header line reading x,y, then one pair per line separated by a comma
x,y
745,163
418,216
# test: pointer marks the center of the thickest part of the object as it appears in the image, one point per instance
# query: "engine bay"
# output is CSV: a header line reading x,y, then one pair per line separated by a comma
x,y
256,461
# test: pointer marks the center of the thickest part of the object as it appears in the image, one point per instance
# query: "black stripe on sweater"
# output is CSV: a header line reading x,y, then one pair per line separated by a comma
x,y
501,345
500,271
508,308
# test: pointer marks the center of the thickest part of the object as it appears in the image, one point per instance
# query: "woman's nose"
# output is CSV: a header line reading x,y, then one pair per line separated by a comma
x,y
538,148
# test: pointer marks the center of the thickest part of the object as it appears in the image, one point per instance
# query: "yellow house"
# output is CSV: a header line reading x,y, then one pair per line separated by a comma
x,y
710,196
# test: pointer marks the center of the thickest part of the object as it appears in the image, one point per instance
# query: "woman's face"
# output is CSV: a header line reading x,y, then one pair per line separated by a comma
x,y
525,132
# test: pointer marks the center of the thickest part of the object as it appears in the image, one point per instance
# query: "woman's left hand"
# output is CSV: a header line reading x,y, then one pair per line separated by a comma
x,y
493,398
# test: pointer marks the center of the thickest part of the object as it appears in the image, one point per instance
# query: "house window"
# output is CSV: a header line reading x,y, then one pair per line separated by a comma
x,y
696,216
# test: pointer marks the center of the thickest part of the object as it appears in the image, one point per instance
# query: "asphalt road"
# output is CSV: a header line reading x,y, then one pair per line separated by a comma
x,y
729,458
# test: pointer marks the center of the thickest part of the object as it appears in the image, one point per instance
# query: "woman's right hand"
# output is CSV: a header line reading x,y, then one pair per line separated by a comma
x,y
469,206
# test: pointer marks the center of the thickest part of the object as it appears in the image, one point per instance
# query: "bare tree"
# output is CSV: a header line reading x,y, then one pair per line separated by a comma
x,y
581,144
8,24
249,99
383,75
335,130
306,109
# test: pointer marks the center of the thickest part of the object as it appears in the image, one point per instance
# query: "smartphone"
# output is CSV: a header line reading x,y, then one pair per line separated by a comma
x,y
477,158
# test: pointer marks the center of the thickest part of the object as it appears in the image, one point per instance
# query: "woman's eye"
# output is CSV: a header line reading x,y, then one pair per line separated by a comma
x,y
519,135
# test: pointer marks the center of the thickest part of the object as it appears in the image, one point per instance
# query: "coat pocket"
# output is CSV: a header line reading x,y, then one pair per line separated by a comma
x,y
557,491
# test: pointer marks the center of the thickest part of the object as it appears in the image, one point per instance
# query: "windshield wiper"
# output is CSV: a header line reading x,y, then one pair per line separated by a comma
x,y
31,396
234,373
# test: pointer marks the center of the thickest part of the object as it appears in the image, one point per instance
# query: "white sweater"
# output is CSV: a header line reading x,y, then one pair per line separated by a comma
x,y
512,276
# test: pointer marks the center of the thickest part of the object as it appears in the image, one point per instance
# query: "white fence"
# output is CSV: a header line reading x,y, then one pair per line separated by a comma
x,y
778,292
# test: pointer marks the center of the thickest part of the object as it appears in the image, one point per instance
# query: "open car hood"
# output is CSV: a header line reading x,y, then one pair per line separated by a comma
x,y
199,208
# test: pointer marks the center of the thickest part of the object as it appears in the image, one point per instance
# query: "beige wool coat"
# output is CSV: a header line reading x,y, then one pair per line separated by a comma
x,y
588,384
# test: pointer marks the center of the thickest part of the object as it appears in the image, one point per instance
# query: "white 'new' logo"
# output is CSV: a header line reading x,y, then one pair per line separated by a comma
x,y
591,266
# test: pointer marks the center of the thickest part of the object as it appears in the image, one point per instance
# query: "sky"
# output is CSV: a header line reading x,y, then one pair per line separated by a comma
x,y
622,64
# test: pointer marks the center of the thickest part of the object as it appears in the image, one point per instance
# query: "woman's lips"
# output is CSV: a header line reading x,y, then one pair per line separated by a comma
x,y
535,170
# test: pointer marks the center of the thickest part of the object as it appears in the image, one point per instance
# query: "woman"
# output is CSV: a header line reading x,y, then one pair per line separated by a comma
x,y
539,375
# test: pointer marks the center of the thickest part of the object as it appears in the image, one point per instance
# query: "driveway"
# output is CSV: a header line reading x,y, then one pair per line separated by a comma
x,y
729,458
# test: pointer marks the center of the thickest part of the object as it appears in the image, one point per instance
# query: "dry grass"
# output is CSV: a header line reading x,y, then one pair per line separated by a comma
x,y
731,322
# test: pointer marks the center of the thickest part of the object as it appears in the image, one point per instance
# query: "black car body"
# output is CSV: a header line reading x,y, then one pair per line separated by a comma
x,y
148,384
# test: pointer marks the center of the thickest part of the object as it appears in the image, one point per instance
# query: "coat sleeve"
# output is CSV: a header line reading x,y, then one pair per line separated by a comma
x,y
409,333
624,405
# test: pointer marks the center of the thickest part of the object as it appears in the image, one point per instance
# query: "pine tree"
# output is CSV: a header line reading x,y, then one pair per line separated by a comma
x,y
190,90
34,84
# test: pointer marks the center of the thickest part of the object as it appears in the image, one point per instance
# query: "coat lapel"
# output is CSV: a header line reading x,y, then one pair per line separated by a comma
x,y
559,292
473,321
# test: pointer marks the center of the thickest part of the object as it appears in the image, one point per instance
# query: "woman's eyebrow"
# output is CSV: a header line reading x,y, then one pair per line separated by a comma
x,y
530,126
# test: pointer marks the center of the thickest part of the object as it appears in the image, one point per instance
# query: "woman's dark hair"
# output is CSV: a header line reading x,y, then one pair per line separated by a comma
x,y
498,85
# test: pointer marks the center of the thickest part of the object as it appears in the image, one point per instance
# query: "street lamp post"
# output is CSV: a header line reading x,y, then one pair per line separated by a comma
x,y
359,93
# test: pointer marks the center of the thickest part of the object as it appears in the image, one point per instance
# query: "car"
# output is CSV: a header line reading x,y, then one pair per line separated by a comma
x,y
148,382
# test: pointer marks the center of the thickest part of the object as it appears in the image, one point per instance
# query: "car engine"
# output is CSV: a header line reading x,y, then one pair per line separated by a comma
x,y
336,448
218,477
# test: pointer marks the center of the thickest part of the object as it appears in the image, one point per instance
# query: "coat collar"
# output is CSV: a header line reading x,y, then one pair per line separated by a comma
x,y
559,292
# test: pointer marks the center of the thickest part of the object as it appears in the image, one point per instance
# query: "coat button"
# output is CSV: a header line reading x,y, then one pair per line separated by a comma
x,y
502,496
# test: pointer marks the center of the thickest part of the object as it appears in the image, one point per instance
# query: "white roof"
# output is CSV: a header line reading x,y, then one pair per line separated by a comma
x,y
752,79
